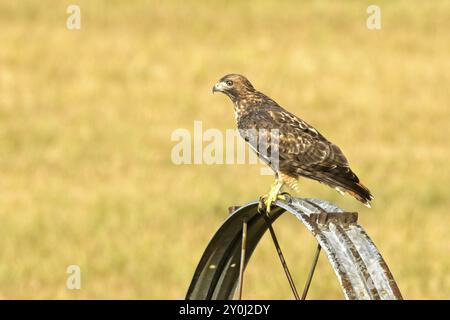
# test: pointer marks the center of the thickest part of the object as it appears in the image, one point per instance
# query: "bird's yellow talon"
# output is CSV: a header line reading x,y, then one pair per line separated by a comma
x,y
262,205
266,201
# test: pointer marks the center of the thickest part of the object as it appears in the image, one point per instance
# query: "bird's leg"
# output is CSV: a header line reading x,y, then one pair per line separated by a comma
x,y
265,202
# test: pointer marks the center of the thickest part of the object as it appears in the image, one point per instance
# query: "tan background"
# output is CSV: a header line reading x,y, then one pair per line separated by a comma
x,y
85,121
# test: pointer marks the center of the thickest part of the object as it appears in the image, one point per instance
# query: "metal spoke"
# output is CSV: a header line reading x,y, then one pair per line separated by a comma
x,y
243,252
311,272
282,260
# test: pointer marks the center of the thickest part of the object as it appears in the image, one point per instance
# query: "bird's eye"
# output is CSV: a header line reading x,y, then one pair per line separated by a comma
x,y
229,83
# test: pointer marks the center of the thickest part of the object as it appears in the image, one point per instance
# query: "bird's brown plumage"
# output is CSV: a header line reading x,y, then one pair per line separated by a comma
x,y
302,150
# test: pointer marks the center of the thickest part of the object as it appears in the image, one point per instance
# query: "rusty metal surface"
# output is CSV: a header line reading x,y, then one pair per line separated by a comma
x,y
359,267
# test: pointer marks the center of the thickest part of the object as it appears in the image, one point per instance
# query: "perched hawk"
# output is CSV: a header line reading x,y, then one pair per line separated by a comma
x,y
302,150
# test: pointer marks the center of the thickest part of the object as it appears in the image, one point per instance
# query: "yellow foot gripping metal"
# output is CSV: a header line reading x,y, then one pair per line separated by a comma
x,y
265,202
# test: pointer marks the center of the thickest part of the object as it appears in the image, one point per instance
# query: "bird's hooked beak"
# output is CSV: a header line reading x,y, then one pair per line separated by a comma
x,y
219,86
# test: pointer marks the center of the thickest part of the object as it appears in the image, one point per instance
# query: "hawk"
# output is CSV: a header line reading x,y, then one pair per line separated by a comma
x,y
302,150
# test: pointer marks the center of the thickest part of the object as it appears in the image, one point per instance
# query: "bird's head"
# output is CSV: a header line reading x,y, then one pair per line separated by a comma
x,y
234,86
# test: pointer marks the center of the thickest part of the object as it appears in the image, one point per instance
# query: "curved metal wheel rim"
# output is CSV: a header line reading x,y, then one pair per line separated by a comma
x,y
359,267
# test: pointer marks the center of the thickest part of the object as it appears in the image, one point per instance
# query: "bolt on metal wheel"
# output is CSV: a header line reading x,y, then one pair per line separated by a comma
x,y
357,263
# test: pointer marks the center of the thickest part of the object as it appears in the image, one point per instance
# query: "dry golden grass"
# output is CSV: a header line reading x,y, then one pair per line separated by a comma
x,y
86,117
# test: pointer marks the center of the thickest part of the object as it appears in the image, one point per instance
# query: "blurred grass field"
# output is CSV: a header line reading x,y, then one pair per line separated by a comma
x,y
86,116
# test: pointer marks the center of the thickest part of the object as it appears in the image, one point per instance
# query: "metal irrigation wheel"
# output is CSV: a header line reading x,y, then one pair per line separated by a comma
x,y
359,267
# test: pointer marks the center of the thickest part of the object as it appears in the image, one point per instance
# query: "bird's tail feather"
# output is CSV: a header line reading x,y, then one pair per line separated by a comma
x,y
351,185
361,193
